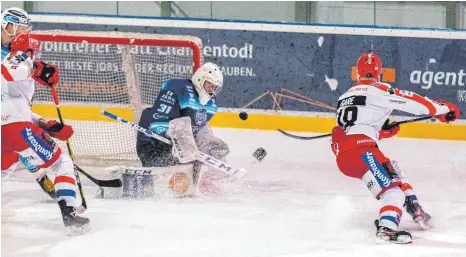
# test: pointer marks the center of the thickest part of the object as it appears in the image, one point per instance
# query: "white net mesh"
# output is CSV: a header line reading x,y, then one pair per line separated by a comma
x,y
121,72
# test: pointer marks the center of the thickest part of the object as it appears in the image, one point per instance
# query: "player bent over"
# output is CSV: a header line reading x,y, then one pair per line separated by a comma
x,y
363,113
22,137
181,112
16,21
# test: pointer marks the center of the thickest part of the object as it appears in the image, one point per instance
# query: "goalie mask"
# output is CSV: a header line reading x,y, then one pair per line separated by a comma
x,y
208,81
18,18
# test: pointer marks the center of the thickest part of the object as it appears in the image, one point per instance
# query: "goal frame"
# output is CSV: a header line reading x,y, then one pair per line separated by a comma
x,y
126,41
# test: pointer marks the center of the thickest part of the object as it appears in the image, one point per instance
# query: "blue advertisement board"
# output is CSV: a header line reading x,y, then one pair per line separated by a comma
x,y
256,61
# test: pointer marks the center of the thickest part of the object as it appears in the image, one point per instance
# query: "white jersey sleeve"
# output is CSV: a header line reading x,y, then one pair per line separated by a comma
x,y
407,101
17,88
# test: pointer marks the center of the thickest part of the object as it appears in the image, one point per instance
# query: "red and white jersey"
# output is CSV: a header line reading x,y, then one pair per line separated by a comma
x,y
364,108
17,88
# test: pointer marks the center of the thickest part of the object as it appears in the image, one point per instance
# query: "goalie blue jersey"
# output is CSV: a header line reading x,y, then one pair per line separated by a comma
x,y
177,98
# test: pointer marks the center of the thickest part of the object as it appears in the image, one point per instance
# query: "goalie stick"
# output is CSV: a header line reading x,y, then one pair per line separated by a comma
x,y
202,157
102,183
327,135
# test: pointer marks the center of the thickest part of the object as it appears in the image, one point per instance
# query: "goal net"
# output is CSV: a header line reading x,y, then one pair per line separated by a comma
x,y
121,72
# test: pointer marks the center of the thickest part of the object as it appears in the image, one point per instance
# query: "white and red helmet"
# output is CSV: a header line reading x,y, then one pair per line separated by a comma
x,y
208,81
369,66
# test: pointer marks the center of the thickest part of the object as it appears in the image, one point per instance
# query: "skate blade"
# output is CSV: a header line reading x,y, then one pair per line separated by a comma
x,y
423,225
401,239
76,231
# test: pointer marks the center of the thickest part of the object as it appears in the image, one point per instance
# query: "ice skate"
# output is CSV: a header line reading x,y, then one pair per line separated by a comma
x,y
415,210
387,235
76,225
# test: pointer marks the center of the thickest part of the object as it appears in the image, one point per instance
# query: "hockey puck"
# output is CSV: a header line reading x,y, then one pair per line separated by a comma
x,y
243,115
259,154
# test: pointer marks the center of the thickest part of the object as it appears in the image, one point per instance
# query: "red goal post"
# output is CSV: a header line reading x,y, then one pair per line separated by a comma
x,y
119,71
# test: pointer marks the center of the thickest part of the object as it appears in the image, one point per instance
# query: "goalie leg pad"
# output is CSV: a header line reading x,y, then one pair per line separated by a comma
x,y
207,179
145,182
181,134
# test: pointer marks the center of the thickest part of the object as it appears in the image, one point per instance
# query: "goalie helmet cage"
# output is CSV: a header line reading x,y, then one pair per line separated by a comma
x,y
122,72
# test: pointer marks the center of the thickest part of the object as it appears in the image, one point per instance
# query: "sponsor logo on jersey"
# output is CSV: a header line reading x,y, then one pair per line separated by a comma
x,y
396,101
168,98
159,127
37,144
356,89
158,116
365,141
370,184
201,117
377,170
406,93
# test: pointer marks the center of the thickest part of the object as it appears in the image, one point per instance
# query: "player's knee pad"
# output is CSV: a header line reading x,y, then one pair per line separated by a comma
x,y
379,177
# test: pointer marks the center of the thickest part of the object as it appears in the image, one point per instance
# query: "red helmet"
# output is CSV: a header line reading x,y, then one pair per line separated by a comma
x,y
369,66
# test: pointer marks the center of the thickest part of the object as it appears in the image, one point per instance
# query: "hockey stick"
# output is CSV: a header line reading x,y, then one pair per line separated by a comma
x,y
76,174
202,157
102,183
327,135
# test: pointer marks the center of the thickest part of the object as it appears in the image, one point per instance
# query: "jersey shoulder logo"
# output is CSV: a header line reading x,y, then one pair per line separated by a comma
x,y
201,117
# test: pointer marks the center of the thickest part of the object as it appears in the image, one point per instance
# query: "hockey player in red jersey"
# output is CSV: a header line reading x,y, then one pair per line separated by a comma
x,y
363,113
16,22
23,137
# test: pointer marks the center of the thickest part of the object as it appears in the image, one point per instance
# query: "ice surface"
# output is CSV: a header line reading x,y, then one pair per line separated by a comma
x,y
293,203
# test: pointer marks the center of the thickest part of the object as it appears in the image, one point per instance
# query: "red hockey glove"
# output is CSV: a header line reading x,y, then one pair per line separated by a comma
x,y
58,130
452,115
389,129
45,74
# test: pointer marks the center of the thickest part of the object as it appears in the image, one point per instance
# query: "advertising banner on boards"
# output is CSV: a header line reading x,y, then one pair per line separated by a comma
x,y
319,66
